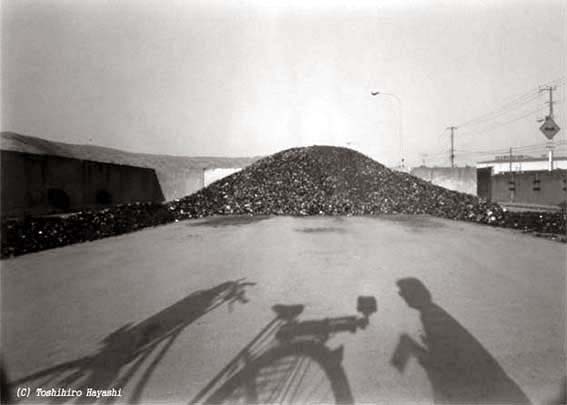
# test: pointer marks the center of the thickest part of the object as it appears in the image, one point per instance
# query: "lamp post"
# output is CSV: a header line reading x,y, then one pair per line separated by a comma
x,y
400,135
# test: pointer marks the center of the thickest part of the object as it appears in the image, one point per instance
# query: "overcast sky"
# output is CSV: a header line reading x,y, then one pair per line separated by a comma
x,y
243,78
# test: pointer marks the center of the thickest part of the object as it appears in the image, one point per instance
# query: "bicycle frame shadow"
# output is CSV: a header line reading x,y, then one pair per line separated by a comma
x,y
124,351
241,377
459,368
258,343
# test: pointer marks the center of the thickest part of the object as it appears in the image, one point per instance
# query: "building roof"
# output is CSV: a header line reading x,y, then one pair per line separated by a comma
x,y
517,159
10,141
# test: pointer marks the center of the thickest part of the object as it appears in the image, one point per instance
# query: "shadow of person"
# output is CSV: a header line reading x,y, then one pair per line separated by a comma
x,y
124,351
459,368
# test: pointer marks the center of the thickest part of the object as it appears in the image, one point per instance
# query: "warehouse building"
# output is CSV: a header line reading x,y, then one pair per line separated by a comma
x,y
40,177
525,180
35,184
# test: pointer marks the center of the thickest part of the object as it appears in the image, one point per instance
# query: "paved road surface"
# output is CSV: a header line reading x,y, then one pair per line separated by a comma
x,y
498,300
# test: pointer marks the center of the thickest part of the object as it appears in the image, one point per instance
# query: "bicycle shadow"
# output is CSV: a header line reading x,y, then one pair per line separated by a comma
x,y
459,368
269,369
124,351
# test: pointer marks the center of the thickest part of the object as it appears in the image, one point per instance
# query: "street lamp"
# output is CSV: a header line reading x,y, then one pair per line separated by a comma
x,y
400,136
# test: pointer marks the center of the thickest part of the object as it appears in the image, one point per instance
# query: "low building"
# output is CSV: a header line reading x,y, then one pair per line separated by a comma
x,y
33,184
41,177
536,187
522,163
523,180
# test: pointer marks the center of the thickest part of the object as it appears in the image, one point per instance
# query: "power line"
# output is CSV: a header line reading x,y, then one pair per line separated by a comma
x,y
523,150
496,125
486,124
497,113
535,146
500,124
539,144
518,148
511,103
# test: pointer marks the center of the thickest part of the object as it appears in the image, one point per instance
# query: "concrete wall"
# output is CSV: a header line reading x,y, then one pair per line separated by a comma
x,y
212,175
543,187
461,179
181,183
41,184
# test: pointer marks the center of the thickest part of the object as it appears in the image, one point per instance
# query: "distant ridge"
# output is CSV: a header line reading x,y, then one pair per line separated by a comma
x,y
11,141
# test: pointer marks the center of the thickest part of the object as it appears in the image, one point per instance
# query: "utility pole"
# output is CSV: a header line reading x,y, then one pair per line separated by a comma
x,y
510,160
549,89
452,145
549,118
512,180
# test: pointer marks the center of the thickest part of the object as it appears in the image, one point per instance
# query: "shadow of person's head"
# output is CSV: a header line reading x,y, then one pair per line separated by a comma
x,y
414,292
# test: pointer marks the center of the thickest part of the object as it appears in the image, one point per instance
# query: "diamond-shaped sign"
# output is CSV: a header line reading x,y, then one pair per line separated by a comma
x,y
549,128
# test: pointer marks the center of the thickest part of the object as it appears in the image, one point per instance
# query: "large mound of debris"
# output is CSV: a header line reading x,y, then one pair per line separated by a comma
x,y
33,234
318,180
325,180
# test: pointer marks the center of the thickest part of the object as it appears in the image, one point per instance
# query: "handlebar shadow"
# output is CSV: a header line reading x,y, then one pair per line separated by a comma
x,y
282,330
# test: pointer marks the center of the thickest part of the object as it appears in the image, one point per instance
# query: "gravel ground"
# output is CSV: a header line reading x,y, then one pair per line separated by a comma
x,y
498,295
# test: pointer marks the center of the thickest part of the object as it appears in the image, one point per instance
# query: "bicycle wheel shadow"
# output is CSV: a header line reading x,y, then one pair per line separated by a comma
x,y
273,370
124,351
220,385
459,368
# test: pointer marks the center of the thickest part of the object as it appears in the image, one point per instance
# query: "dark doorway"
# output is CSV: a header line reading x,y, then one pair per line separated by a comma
x,y
103,197
484,183
58,199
